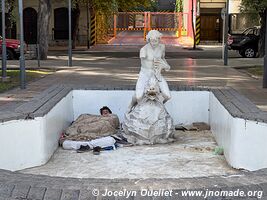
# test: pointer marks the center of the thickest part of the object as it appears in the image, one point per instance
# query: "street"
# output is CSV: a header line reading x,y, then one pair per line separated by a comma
x,y
122,51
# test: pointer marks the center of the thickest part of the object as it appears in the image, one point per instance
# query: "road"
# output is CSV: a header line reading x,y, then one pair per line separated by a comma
x,y
119,51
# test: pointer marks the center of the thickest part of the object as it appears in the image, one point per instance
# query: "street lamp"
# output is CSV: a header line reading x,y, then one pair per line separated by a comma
x,y
226,22
193,26
70,41
265,57
21,58
88,26
4,76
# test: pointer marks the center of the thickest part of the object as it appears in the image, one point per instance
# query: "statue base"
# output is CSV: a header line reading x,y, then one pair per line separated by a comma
x,y
148,123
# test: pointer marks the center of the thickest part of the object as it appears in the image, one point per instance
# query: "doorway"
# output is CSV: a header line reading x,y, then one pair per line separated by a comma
x,y
61,23
30,25
211,27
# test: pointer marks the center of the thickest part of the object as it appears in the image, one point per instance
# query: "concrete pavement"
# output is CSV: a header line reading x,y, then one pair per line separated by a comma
x,y
100,70
126,51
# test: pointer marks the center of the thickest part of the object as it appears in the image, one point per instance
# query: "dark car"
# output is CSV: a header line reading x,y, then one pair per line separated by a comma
x,y
245,43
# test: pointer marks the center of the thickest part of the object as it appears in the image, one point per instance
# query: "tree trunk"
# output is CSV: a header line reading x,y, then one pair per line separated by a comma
x,y
76,17
44,12
9,22
261,47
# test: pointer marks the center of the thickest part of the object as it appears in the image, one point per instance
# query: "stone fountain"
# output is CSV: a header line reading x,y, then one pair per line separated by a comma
x,y
147,120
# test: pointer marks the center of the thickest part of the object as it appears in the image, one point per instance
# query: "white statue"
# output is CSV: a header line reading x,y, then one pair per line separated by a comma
x,y
152,57
147,121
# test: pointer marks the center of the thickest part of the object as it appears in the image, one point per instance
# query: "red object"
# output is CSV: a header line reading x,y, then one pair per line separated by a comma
x,y
13,48
230,39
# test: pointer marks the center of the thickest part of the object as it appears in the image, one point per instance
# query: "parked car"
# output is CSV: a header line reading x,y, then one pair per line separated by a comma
x,y
12,48
246,42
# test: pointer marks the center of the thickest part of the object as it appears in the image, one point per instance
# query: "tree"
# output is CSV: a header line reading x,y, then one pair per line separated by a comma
x,y
110,6
44,12
259,6
10,16
125,5
76,16
105,9
179,6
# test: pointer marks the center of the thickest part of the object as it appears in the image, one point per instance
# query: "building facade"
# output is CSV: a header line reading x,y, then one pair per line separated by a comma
x,y
58,29
212,22
209,10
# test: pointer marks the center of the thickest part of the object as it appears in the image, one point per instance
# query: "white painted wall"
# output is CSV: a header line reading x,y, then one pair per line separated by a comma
x,y
250,144
20,144
29,143
234,6
221,125
58,119
187,107
244,141
90,101
184,107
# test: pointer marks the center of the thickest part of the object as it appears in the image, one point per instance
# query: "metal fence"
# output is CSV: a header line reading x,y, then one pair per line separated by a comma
x,y
137,24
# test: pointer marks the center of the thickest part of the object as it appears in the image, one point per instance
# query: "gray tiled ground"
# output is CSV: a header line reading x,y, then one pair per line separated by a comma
x,y
65,188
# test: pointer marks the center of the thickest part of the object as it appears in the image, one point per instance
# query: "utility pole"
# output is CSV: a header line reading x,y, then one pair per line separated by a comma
x,y
226,29
22,59
193,27
4,75
265,57
70,41
88,25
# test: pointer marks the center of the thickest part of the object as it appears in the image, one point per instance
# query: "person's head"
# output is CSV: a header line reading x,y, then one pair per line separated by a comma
x,y
153,37
104,111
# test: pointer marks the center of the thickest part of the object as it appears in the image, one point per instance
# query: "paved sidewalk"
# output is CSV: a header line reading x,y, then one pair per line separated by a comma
x,y
101,71
31,187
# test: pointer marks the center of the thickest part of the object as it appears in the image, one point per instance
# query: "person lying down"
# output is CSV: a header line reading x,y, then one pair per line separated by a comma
x,y
90,131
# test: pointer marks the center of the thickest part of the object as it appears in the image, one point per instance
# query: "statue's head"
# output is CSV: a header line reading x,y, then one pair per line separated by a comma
x,y
153,37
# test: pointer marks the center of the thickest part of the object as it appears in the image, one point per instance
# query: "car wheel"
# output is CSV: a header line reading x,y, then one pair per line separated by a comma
x,y
249,52
9,54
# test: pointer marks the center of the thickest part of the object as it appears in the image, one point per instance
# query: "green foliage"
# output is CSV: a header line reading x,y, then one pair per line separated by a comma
x,y
105,7
11,10
14,75
9,3
111,6
255,70
125,5
253,5
9,7
151,6
179,6
218,151
259,7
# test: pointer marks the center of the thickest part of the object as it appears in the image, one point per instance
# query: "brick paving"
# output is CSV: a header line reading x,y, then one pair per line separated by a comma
x,y
22,186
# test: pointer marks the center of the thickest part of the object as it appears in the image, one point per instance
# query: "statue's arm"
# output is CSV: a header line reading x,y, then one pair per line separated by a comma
x,y
166,67
142,56
142,61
